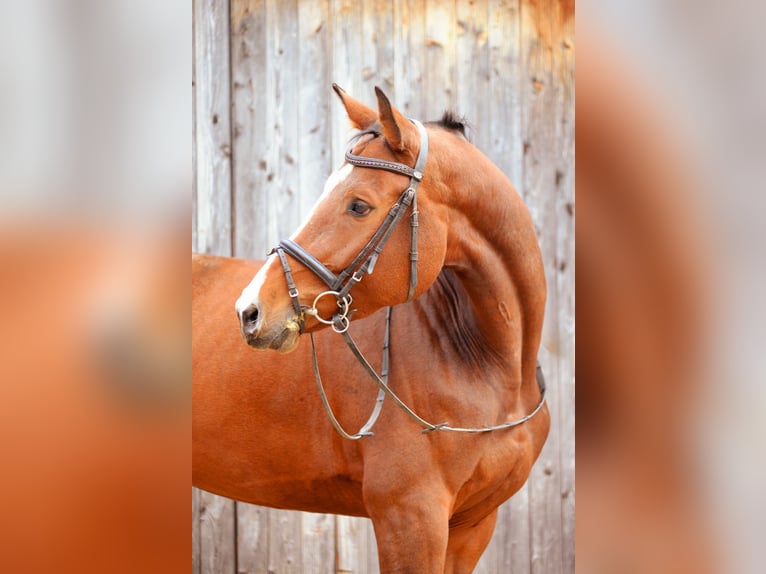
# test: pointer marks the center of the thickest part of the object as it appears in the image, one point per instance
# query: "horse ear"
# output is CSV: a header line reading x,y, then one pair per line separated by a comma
x,y
399,131
361,116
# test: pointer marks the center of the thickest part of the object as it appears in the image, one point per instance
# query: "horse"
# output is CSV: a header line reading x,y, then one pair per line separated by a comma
x,y
444,316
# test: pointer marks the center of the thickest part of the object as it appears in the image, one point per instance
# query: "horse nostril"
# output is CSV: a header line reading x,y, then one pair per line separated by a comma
x,y
249,318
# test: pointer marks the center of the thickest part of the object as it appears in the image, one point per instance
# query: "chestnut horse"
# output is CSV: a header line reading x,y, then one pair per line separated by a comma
x,y
467,288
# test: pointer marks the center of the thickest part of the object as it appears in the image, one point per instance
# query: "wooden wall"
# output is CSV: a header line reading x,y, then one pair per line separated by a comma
x,y
268,131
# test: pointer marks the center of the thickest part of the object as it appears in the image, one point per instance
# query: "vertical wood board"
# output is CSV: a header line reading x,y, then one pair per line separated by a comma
x,y
252,169
212,128
217,538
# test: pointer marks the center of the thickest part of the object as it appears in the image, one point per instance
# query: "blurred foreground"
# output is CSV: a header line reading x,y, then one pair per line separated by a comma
x,y
643,318
670,401
95,176
94,400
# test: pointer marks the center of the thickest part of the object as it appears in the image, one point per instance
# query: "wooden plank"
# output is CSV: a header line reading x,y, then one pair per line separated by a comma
x,y
472,71
504,138
346,556
251,166
285,533
517,545
218,553
212,126
368,56
269,192
252,539
496,558
316,99
213,529
508,538
356,546
318,543
284,61
563,53
370,548
346,26
439,74
400,92
539,174
410,57
377,47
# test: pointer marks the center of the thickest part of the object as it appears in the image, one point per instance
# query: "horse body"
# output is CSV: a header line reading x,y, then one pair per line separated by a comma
x,y
464,351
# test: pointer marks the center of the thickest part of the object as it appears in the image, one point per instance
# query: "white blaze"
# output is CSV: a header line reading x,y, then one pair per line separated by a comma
x,y
250,293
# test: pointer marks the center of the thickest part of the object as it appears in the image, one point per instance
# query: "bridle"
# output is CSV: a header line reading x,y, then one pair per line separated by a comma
x,y
341,284
364,263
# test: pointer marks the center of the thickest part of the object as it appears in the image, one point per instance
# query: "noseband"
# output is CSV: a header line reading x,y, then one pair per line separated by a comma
x,y
340,285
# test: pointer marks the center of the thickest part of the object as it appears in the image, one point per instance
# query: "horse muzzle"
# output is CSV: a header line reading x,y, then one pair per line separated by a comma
x,y
281,336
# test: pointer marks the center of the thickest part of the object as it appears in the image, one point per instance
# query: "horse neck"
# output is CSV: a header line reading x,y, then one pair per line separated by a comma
x,y
494,261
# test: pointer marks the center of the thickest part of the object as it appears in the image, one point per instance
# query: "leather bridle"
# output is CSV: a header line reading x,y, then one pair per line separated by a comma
x,y
341,284
364,263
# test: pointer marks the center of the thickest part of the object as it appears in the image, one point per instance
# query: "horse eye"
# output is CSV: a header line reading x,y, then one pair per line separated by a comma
x,y
359,208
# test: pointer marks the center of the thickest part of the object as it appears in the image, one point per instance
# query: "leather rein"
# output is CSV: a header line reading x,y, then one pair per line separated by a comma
x,y
364,263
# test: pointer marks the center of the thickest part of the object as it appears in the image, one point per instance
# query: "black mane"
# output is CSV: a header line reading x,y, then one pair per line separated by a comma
x,y
449,121
453,122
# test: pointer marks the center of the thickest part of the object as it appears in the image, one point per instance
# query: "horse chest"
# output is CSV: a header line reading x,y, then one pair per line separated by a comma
x,y
501,469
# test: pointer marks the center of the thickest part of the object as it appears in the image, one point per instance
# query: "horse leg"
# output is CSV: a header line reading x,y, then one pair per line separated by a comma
x,y
467,543
411,534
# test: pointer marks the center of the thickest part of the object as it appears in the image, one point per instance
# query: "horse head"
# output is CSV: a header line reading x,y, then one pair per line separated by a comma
x,y
352,256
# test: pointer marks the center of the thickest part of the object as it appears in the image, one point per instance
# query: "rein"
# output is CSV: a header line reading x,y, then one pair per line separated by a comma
x,y
364,263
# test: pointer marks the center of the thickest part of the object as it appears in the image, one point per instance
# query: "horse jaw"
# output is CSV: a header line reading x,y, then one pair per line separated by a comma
x,y
284,343
287,340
